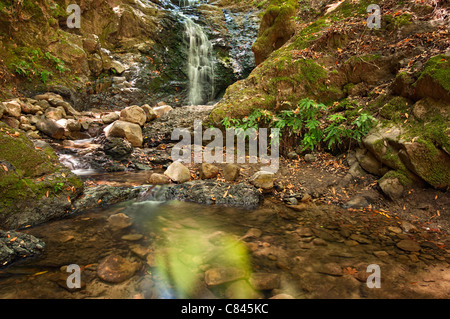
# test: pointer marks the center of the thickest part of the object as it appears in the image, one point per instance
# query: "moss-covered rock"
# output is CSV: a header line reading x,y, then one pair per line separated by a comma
x,y
434,81
276,28
34,186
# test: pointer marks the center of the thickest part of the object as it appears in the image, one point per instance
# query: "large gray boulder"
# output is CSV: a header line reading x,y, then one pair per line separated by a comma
x,y
133,114
130,131
177,172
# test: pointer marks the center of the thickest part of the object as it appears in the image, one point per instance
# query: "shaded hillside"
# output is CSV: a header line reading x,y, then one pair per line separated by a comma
x,y
399,74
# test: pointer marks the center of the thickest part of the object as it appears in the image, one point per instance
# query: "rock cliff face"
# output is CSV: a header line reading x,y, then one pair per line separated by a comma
x,y
124,51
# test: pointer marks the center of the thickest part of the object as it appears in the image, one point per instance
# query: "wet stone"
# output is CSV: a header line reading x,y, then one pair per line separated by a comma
x,y
218,276
116,269
119,221
132,237
319,242
331,269
304,232
408,245
264,281
360,239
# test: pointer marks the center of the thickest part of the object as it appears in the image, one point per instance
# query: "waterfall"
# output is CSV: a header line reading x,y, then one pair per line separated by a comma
x,y
200,64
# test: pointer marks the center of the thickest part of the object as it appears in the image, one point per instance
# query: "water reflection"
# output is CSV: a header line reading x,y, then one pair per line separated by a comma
x,y
187,246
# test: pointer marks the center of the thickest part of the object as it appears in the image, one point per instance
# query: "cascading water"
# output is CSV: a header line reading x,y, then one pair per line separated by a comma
x,y
200,57
200,64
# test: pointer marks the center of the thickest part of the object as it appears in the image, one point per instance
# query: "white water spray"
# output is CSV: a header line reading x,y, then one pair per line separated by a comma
x,y
200,64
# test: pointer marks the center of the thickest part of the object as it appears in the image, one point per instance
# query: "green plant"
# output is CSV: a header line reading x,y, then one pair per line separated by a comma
x,y
58,63
307,122
45,75
58,187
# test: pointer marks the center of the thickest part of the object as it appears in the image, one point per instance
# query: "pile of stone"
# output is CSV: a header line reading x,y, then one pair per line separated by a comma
x,y
128,123
48,115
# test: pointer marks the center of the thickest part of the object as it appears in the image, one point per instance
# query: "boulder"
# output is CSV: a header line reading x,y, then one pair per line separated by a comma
x,y
133,114
68,109
117,67
56,114
132,132
263,179
149,112
391,186
265,281
50,128
110,117
117,147
70,125
157,179
13,108
178,172
208,171
25,199
11,121
231,172
369,163
161,110
30,108
408,245
428,162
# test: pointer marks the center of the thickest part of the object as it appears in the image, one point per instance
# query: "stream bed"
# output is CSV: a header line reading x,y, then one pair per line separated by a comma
x,y
152,249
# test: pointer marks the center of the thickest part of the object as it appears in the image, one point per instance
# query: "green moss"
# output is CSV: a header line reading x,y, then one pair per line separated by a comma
x,y
438,68
396,109
402,176
434,171
276,27
32,172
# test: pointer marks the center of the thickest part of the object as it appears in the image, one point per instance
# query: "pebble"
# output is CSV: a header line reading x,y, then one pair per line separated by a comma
x,y
395,230
331,269
132,237
360,239
381,254
351,243
319,242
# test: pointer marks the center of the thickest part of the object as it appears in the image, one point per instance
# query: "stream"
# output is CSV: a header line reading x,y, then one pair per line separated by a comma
x,y
153,249
185,250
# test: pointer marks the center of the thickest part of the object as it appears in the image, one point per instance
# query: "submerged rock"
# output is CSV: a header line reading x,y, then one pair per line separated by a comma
x,y
116,269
